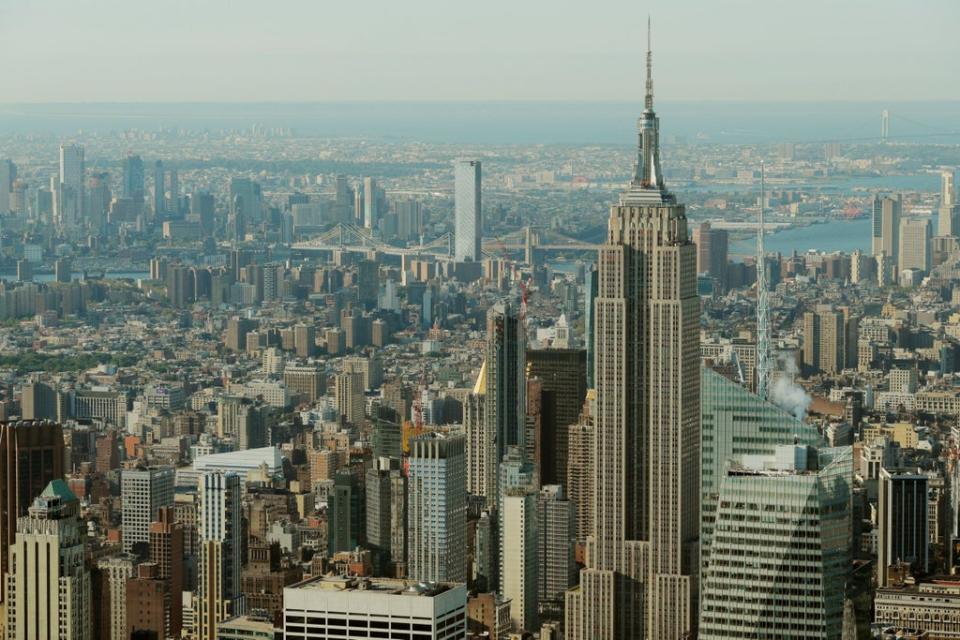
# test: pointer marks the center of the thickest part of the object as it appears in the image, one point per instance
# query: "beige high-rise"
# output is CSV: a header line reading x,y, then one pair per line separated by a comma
x,y
48,587
641,580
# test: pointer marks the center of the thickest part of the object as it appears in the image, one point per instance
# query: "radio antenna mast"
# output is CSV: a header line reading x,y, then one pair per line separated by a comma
x,y
763,308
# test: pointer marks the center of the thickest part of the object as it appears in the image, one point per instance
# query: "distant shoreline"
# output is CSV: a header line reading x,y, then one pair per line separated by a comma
x,y
505,122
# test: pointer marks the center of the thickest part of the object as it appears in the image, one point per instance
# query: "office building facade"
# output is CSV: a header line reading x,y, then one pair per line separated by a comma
x,y
761,581
735,422
903,527
361,608
143,493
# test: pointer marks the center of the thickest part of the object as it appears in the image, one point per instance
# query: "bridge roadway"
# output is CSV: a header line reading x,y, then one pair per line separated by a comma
x,y
491,249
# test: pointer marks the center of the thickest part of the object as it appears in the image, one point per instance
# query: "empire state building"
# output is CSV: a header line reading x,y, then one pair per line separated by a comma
x,y
642,559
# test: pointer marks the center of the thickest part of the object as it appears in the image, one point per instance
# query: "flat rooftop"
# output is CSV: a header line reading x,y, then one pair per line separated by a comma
x,y
386,586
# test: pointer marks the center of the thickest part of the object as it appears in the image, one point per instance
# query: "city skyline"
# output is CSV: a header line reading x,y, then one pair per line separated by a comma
x,y
479,370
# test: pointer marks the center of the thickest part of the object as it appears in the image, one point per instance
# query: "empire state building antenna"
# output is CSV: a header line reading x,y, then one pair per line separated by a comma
x,y
763,307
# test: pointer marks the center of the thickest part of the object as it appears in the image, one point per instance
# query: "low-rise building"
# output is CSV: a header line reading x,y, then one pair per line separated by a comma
x,y
361,608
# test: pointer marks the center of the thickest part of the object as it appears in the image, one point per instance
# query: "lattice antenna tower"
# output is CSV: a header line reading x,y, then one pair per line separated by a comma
x,y
763,305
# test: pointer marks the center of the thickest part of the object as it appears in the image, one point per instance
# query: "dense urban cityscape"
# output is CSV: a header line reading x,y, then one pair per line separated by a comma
x,y
259,383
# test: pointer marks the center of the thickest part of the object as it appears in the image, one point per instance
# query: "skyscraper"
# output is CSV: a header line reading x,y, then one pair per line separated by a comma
x,y
903,532
886,226
735,422
143,493
824,341
8,174
590,320
49,590
159,203
783,579
556,532
114,571
349,398
386,512
948,216
167,554
247,199
31,456
481,447
218,584
914,245
505,378
437,508
580,477
133,177
641,580
468,230
563,375
70,189
712,252
371,212
519,560
346,518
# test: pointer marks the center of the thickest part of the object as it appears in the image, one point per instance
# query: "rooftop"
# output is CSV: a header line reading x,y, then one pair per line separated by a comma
x,y
388,586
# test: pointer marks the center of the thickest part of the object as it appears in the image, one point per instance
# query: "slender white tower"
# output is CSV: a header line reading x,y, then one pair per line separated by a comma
x,y
763,309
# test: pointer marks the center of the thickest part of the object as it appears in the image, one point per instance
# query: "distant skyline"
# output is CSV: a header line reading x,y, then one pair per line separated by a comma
x,y
376,50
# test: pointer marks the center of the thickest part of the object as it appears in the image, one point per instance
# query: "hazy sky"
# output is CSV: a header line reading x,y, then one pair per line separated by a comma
x,y
270,50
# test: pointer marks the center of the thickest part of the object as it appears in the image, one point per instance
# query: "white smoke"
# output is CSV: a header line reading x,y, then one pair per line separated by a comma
x,y
785,392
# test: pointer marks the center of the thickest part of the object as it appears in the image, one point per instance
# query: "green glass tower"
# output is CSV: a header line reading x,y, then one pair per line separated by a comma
x,y
735,422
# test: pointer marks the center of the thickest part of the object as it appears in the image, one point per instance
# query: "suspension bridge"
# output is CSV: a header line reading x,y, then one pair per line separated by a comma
x,y
350,238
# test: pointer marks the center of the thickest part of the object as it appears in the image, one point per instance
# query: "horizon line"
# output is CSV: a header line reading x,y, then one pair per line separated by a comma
x,y
471,100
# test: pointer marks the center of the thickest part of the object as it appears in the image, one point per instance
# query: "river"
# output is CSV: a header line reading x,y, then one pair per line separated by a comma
x,y
836,235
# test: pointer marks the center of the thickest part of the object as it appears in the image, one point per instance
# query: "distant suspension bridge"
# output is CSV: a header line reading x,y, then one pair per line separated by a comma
x,y
350,238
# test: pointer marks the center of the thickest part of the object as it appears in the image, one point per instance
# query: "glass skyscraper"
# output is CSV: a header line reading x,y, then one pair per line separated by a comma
x,y
468,218
781,547
736,422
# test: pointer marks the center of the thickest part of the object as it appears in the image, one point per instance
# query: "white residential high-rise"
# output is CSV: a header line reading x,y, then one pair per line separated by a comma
x,y
784,576
48,587
437,508
641,578
468,216
70,194
519,572
219,525
371,203
142,493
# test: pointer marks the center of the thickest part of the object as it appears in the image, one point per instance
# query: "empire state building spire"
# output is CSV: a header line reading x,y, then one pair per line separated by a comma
x,y
647,185
648,101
